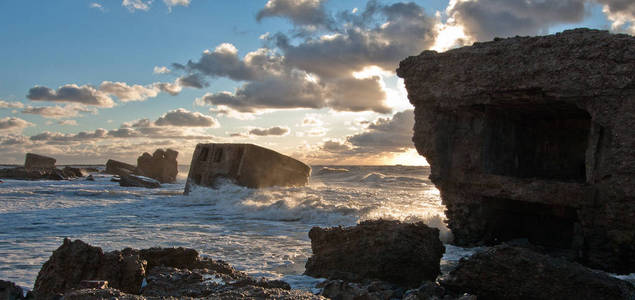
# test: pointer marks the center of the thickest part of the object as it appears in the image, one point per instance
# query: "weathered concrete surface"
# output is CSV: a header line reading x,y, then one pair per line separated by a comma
x,y
116,167
532,137
36,161
505,272
244,164
400,253
161,165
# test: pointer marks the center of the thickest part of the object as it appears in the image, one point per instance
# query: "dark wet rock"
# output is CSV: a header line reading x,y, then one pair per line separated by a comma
x,y
156,273
93,284
505,272
400,253
244,164
21,173
138,181
532,137
10,291
71,172
161,165
115,167
36,161
379,290
90,177
75,261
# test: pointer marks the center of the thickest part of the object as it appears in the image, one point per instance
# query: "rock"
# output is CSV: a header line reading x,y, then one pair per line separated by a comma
x,y
76,261
119,168
90,177
244,164
395,252
532,137
339,289
71,172
21,173
505,272
36,161
10,291
161,165
138,181
155,273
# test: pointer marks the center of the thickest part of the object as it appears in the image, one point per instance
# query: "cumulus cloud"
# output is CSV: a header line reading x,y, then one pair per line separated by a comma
x,y
486,19
184,118
56,112
68,122
161,70
273,131
300,12
133,5
126,92
84,94
621,13
97,6
14,124
194,80
386,134
6,104
172,3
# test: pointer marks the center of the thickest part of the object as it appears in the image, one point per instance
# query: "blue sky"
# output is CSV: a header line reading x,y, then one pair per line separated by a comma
x,y
306,92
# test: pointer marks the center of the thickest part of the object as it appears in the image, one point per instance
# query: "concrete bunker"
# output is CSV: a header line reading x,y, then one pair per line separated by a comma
x,y
532,137
244,164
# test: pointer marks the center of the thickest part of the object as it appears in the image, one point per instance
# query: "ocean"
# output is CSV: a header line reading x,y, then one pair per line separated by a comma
x,y
262,232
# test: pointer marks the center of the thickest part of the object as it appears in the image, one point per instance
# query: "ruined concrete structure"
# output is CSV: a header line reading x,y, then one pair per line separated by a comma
x,y
244,164
533,137
36,161
161,165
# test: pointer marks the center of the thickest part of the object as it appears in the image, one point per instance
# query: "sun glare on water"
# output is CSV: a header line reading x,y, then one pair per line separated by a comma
x,y
408,158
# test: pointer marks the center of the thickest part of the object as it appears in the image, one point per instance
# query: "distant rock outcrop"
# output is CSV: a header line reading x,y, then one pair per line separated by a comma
x,y
395,252
505,272
532,137
115,167
161,165
39,167
155,273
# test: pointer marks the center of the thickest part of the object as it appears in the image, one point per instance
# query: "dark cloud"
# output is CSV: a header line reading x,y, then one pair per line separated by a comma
x,y
299,12
193,80
85,94
184,118
275,131
57,111
386,134
351,94
12,123
486,19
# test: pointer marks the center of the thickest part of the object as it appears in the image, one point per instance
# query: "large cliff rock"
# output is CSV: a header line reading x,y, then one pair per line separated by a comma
x,y
532,137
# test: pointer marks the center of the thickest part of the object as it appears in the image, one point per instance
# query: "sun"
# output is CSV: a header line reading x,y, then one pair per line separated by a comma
x,y
408,158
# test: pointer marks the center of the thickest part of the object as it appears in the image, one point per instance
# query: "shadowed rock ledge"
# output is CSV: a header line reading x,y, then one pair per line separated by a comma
x,y
532,137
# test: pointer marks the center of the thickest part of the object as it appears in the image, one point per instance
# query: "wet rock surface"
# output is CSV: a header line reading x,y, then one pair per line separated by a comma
x,y
161,165
119,168
531,137
155,273
10,291
395,252
138,181
505,272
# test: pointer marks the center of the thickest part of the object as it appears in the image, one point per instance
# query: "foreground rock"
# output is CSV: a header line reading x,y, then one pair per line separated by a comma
x,y
244,164
116,167
399,253
532,137
161,165
505,272
168,272
138,181
10,291
36,161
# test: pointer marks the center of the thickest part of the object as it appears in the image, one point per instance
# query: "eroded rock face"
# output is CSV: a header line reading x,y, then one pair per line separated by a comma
x,y
505,272
161,165
532,137
395,252
155,273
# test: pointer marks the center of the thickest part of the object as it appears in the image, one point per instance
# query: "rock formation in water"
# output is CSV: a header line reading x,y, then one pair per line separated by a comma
x,y
395,252
532,137
154,273
39,161
116,167
138,181
161,165
505,272
244,164
39,167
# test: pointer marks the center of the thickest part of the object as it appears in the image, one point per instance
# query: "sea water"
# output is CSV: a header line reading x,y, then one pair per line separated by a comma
x,y
263,232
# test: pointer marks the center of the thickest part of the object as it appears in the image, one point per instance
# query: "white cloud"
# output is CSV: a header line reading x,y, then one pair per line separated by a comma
x,y
126,92
68,122
184,118
161,70
6,104
133,5
14,124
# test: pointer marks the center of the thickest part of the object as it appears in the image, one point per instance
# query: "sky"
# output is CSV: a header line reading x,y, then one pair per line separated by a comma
x,y
86,81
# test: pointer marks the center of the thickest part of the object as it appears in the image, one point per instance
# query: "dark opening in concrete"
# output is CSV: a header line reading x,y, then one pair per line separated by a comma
x,y
541,224
203,155
546,141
